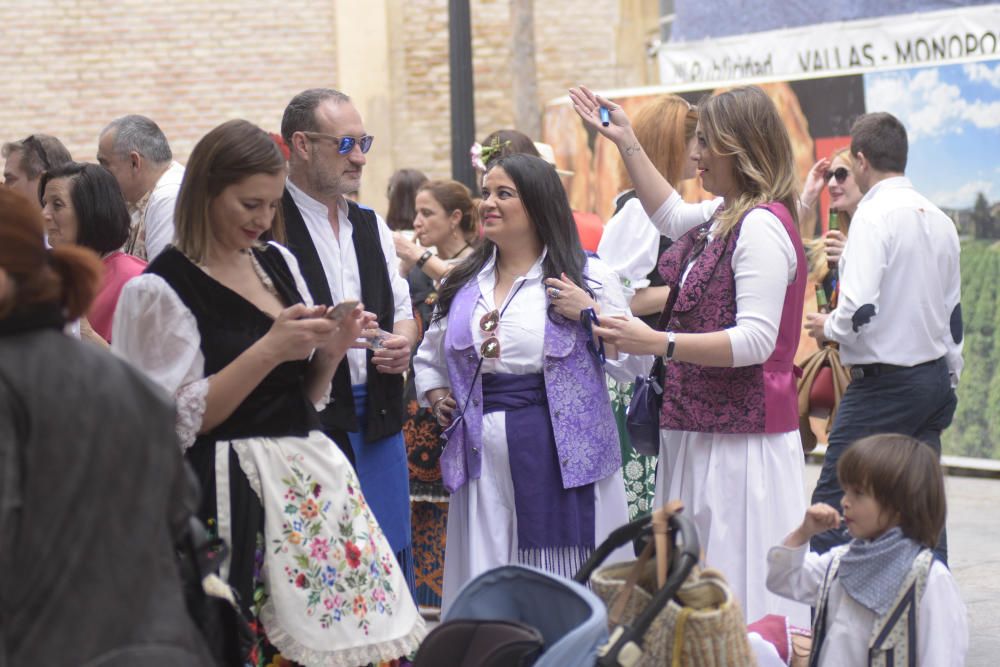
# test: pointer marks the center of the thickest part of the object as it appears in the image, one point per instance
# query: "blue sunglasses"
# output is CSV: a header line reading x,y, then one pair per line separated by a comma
x,y
345,144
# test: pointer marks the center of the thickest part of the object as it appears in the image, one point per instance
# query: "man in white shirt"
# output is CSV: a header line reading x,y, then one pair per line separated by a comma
x,y
899,316
346,253
135,150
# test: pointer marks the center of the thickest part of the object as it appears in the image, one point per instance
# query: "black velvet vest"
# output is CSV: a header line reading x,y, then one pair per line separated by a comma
x,y
385,392
229,325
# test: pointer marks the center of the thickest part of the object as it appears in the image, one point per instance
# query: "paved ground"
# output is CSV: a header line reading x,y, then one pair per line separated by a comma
x,y
974,554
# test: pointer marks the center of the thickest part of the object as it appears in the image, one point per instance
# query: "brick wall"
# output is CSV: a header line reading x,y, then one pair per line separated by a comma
x,y
574,43
72,66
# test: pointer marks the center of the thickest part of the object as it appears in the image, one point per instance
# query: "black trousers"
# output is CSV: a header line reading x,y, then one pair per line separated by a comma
x,y
917,401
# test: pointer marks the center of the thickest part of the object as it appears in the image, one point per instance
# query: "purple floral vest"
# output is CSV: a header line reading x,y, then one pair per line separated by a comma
x,y
579,407
750,399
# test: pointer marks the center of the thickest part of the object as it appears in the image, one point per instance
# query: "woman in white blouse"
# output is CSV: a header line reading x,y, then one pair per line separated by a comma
x,y
730,446
226,325
532,460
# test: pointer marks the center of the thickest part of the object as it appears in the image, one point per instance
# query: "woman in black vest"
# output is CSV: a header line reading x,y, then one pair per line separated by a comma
x,y
226,325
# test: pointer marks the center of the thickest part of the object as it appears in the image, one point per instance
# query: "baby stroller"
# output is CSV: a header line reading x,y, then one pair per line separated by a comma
x,y
515,616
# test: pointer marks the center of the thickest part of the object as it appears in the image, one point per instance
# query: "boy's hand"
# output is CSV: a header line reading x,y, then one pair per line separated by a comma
x,y
819,518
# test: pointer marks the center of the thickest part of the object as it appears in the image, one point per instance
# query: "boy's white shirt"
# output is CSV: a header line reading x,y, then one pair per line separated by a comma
x,y
942,622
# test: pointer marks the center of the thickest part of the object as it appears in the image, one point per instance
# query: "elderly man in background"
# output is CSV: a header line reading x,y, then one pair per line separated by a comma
x,y
135,150
26,160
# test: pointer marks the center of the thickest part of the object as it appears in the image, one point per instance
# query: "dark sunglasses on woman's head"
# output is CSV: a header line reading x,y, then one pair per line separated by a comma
x,y
344,144
588,318
840,173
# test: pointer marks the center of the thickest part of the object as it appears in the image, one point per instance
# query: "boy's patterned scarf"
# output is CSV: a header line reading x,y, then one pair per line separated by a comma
x,y
873,570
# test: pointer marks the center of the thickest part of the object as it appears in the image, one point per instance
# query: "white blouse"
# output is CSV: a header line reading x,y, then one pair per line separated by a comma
x,y
522,327
764,264
630,245
942,626
155,332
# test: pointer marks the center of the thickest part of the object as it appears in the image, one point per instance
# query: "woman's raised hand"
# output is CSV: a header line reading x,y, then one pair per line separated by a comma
x,y
407,251
814,182
298,331
588,105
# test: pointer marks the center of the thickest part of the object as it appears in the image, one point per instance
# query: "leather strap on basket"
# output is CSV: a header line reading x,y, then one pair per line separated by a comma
x,y
678,651
661,545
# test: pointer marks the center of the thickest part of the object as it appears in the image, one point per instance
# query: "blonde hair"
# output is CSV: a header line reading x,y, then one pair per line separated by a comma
x,y
819,265
230,153
743,123
664,126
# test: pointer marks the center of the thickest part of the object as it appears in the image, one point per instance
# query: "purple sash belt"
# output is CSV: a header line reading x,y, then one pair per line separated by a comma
x,y
547,514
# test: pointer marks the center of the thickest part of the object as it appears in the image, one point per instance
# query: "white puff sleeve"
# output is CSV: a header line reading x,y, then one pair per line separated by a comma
x,y
155,332
629,245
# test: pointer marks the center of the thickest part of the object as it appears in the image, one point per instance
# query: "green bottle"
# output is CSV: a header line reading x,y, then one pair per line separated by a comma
x,y
833,223
822,305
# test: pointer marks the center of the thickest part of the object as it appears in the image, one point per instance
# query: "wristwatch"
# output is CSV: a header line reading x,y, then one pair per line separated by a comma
x,y
671,340
423,259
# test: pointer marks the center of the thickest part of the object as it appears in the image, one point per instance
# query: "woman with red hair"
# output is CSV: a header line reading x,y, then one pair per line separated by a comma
x,y
92,488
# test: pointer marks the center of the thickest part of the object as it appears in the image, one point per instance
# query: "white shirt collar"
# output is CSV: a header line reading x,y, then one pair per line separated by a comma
x,y
892,183
535,271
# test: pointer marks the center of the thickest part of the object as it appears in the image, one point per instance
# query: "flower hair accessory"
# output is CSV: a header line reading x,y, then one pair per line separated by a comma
x,y
486,153
475,154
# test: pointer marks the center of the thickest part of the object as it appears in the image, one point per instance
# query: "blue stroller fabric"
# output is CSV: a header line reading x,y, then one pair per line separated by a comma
x,y
572,619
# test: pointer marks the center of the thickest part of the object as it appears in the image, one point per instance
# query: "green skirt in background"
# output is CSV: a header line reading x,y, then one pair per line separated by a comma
x,y
639,471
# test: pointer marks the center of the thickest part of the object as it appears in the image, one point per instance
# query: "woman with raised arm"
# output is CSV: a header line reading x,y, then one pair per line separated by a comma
x,y
226,325
836,173
730,446
532,458
632,246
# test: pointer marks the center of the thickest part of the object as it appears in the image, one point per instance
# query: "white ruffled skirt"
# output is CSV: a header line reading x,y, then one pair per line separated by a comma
x,y
745,493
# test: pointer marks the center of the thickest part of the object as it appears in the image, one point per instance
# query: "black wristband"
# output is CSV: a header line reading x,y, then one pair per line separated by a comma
x,y
423,258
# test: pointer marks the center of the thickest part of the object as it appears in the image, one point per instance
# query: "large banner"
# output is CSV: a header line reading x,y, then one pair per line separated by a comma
x,y
849,47
952,115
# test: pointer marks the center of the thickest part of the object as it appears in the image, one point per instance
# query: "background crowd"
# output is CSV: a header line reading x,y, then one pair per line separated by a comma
x,y
377,410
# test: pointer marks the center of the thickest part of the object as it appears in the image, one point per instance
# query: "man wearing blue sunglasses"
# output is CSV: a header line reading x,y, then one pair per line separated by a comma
x,y
346,253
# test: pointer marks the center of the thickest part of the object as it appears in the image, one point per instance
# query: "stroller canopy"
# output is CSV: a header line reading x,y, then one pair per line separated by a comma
x,y
572,619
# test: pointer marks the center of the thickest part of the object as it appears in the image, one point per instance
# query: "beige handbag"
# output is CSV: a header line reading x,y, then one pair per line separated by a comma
x,y
704,629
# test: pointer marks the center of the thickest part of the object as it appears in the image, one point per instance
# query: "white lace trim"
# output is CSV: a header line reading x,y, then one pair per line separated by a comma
x,y
190,400
384,651
324,400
